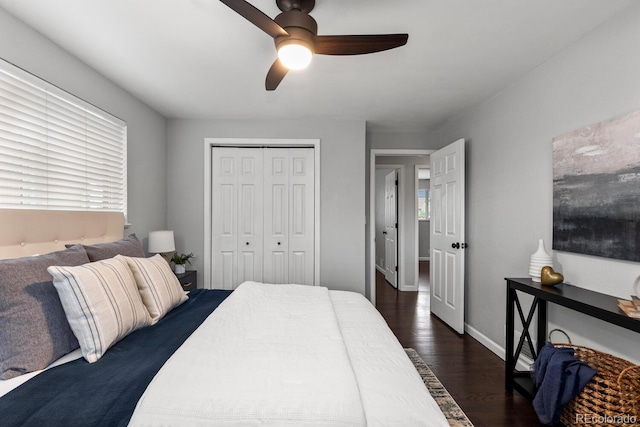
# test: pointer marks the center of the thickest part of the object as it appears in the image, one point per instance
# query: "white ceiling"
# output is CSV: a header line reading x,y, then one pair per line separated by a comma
x,y
199,59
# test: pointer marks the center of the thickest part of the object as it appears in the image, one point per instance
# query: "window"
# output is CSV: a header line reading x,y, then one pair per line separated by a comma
x,y
57,151
424,204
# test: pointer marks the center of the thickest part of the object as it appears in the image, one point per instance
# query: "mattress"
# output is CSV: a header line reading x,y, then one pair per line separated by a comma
x,y
268,355
302,356
391,389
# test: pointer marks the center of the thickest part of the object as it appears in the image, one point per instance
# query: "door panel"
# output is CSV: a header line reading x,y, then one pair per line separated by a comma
x,y
248,265
276,215
262,215
448,234
391,229
247,210
436,209
224,193
277,267
227,207
227,270
435,276
298,267
236,221
301,211
279,210
450,208
250,204
298,226
450,277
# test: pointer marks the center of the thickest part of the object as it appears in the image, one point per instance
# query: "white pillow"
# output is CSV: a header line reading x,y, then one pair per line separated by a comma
x,y
101,302
159,287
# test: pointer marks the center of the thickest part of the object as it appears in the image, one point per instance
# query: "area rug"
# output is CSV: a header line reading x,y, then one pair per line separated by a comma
x,y
449,407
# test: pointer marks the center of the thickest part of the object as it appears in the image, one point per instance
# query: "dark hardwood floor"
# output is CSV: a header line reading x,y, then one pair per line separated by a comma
x,y
472,374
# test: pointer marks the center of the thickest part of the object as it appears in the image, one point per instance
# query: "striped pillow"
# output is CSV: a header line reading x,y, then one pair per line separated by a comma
x,y
159,287
101,302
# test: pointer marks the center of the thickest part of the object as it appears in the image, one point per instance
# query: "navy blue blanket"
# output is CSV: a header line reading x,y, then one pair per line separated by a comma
x,y
560,377
106,392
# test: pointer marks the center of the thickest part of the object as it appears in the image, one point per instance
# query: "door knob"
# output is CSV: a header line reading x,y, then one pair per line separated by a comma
x,y
384,232
455,245
247,243
278,243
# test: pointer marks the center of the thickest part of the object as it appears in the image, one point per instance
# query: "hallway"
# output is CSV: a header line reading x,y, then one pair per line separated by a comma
x,y
471,373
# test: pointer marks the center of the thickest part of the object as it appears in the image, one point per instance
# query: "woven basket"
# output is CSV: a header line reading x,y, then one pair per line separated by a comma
x,y
611,398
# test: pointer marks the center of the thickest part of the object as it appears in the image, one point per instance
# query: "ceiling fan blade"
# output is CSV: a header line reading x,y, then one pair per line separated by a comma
x,y
357,45
256,17
275,75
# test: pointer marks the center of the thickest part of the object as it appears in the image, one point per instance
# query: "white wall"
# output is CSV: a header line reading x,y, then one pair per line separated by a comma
x,y
410,140
28,49
342,188
509,178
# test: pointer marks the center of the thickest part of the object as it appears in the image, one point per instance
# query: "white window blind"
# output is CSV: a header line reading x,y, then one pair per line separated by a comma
x,y
57,151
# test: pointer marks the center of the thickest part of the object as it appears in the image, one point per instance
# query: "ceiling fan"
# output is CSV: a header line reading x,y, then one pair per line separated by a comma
x,y
296,37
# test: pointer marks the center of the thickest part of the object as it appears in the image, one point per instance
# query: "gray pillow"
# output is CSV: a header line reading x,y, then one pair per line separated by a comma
x,y
129,246
34,330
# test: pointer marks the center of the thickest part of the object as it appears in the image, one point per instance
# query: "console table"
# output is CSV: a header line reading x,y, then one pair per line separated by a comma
x,y
594,304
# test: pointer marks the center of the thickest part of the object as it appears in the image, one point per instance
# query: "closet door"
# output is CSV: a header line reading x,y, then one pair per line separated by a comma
x,y
250,221
276,218
289,215
236,216
301,216
262,216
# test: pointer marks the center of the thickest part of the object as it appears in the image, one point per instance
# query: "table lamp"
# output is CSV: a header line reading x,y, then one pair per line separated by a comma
x,y
162,242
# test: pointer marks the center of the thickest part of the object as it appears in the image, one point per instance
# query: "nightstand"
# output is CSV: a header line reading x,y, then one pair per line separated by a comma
x,y
188,280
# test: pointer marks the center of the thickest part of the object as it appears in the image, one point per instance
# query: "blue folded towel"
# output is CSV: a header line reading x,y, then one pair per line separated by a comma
x,y
541,363
559,377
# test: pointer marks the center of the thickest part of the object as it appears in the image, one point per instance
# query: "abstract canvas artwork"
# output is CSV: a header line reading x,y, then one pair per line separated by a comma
x,y
596,189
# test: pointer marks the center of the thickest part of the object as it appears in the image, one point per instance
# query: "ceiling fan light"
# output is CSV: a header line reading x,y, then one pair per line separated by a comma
x,y
295,56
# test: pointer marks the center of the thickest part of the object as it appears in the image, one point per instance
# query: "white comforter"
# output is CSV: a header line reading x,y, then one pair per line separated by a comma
x,y
289,355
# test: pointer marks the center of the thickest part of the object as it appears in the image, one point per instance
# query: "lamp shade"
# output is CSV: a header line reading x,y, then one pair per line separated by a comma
x,y
161,241
295,55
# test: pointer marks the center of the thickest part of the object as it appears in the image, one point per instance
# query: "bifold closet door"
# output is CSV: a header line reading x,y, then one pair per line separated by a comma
x,y
236,215
289,215
262,215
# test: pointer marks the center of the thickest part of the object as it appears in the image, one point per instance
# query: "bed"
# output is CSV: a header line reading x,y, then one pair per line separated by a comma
x,y
267,355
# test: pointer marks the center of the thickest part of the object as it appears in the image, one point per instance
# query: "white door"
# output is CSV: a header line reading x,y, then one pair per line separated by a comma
x,y
301,216
250,223
289,215
448,234
391,229
236,226
276,205
262,216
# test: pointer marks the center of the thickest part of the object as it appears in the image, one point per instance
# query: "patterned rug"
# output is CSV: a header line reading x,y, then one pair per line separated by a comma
x,y
449,407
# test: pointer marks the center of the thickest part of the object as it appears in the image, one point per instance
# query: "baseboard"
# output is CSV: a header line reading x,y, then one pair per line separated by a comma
x,y
380,269
424,258
523,362
406,288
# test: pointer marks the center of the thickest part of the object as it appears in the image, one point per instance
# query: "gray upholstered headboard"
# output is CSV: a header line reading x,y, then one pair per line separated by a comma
x,y
30,232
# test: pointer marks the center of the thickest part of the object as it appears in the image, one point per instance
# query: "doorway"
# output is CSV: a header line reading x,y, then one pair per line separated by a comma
x,y
408,265
388,208
423,202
